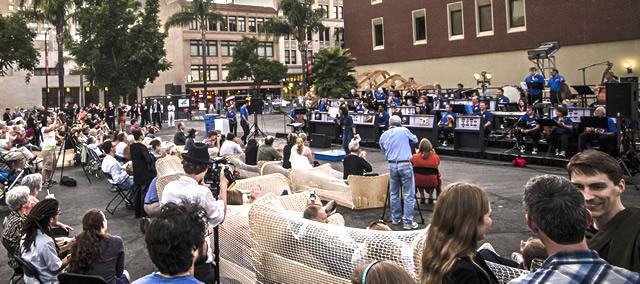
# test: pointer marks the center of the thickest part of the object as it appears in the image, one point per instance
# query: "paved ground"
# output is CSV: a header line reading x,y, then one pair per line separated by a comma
x,y
503,182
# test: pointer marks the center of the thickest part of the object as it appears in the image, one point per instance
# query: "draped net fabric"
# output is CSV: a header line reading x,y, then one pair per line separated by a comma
x,y
270,242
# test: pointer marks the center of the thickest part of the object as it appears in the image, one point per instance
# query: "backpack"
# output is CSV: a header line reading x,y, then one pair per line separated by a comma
x,y
67,181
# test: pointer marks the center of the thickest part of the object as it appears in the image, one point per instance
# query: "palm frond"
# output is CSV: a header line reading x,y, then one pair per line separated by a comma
x,y
180,19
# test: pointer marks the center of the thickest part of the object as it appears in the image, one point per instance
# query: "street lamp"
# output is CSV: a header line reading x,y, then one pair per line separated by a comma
x,y
483,78
46,67
305,75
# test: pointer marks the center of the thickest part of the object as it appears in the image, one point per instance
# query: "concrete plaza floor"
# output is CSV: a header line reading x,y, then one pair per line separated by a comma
x,y
503,182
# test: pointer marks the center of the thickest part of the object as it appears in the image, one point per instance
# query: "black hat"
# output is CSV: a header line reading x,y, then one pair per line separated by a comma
x,y
198,154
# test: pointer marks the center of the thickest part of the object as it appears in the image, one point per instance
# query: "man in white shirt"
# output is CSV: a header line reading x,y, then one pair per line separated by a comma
x,y
189,189
111,166
171,113
230,146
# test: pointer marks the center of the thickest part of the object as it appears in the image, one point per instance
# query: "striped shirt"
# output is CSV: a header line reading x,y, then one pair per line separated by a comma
x,y
578,266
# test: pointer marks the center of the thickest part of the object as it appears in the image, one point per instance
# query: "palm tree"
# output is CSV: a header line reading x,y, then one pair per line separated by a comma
x,y
298,19
58,13
332,72
201,12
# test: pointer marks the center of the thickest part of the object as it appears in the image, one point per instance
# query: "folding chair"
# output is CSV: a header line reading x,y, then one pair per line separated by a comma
x,y
73,278
420,173
94,163
119,197
28,269
17,273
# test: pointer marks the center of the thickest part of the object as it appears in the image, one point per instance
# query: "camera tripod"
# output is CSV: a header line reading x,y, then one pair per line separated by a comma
x,y
63,152
254,130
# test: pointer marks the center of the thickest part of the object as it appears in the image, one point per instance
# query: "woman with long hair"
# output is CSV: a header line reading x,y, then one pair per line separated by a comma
x,y
426,158
38,246
97,253
292,138
297,159
251,152
461,217
306,150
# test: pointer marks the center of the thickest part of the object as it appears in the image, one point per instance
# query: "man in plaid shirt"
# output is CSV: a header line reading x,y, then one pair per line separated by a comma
x,y
556,212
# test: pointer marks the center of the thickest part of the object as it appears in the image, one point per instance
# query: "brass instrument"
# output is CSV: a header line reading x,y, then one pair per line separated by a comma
x,y
449,120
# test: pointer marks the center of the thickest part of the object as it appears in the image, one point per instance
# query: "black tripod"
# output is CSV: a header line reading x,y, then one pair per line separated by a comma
x,y
254,130
387,204
63,152
623,153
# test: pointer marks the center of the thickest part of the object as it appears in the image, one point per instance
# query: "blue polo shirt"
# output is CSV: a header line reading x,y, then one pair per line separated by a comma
x,y
380,96
231,115
612,127
530,121
443,120
537,78
322,107
487,116
292,112
555,83
475,109
360,107
562,130
382,119
244,113
502,100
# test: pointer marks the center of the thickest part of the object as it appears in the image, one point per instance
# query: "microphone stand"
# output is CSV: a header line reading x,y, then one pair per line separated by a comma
x,y
584,69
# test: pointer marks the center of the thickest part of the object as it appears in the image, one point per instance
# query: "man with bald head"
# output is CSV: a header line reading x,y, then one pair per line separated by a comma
x,y
605,136
396,144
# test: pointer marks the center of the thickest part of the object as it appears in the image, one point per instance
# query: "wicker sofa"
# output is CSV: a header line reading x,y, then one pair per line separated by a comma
x,y
272,183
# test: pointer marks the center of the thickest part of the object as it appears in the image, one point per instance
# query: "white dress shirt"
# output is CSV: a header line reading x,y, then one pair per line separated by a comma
x,y
230,148
111,166
188,189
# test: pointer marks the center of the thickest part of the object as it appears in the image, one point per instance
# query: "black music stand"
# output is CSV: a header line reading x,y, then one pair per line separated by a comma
x,y
469,93
594,121
459,109
583,92
547,122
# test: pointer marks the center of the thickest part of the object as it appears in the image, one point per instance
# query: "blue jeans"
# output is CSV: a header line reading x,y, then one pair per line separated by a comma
x,y
347,135
401,174
126,184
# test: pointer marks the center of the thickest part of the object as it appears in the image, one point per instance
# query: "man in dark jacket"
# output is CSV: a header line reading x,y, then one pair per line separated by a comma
x,y
179,138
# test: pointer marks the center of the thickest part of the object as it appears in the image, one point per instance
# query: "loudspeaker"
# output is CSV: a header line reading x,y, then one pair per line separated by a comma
x,y
622,100
319,141
256,106
281,135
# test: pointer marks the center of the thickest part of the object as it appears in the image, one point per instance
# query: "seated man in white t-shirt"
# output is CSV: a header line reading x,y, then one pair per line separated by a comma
x,y
111,166
230,146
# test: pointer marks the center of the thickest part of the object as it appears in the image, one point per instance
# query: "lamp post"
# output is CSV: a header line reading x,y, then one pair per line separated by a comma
x,y
483,78
305,47
46,67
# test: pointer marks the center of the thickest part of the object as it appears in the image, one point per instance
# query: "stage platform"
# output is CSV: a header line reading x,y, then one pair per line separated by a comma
x,y
506,155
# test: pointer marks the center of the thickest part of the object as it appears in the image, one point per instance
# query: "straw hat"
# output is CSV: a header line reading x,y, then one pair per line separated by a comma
x,y
169,169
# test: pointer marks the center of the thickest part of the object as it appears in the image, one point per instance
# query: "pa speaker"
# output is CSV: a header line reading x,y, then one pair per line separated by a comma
x,y
319,141
622,100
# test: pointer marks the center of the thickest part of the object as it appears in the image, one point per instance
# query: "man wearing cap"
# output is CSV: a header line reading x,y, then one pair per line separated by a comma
x,y
189,188
396,144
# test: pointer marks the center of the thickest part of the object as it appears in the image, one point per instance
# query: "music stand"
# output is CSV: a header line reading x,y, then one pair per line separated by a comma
x,y
469,93
594,121
458,109
583,91
547,122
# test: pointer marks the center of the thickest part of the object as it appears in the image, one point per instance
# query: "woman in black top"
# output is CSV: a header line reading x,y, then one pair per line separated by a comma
x,y
286,151
251,152
355,163
461,218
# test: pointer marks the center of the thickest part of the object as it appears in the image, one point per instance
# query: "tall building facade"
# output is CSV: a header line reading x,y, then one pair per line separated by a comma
x,y
183,50
449,41
331,36
16,92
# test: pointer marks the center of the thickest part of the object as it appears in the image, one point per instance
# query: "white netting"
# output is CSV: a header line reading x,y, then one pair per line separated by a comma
x,y
360,192
269,242
244,170
273,183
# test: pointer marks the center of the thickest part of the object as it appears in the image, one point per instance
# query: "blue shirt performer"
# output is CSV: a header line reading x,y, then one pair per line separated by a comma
x,y
535,94
500,98
396,144
244,121
348,129
555,86
233,122
559,137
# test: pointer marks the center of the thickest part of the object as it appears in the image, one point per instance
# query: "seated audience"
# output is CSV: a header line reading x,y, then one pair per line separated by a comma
x,y
120,144
156,149
266,152
230,146
355,163
315,212
151,201
95,252
256,192
38,246
380,272
461,218
426,157
251,152
379,225
17,200
292,139
532,249
191,137
557,213
18,157
446,125
297,158
307,151
234,197
176,244
615,231
179,138
34,183
110,165
213,139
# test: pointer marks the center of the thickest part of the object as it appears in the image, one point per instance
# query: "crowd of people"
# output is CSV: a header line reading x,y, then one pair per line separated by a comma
x,y
580,223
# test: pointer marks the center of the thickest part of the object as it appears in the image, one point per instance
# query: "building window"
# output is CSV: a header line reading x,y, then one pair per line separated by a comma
x,y
242,24
233,24
325,9
260,24
339,35
265,49
41,71
195,73
286,57
223,24
225,73
227,47
337,12
419,26
309,35
196,45
377,33
252,25
213,73
193,25
286,37
213,25
373,2
484,17
212,48
516,16
324,35
294,57
456,23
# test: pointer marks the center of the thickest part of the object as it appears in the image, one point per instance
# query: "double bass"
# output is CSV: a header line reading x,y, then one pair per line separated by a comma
x,y
602,90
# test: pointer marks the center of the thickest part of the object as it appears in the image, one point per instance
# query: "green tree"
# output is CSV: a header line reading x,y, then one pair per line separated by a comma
x,y
58,13
202,12
17,45
247,64
149,55
299,19
332,72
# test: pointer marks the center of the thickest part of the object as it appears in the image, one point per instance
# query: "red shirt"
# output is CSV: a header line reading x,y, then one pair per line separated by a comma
x,y
426,181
